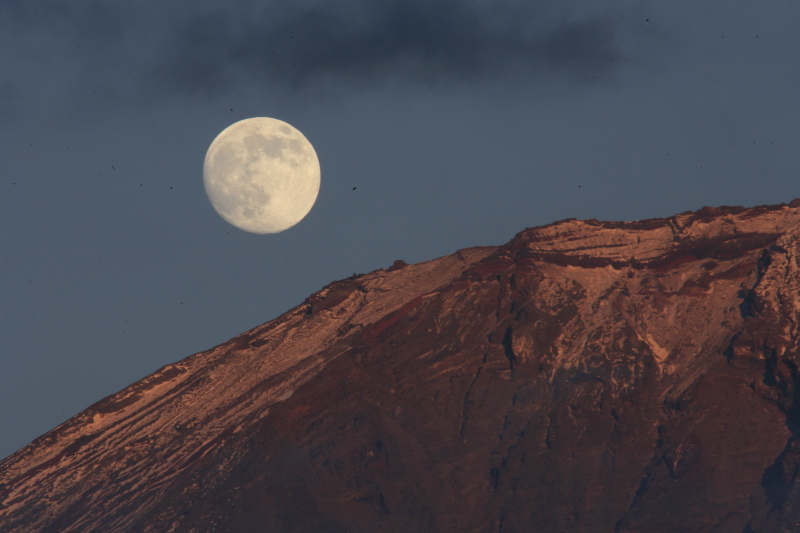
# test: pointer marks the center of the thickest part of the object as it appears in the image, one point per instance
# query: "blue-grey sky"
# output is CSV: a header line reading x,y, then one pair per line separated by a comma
x,y
458,123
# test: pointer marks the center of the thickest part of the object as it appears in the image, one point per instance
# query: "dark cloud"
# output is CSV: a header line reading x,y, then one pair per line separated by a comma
x,y
423,40
149,50
87,23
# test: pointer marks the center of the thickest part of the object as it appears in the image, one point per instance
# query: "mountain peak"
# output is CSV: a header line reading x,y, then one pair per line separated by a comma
x,y
709,231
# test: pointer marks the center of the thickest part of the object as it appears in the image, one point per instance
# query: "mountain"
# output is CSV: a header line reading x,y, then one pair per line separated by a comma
x,y
587,376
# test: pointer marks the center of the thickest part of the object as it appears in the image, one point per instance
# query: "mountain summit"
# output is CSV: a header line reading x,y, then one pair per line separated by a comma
x,y
587,376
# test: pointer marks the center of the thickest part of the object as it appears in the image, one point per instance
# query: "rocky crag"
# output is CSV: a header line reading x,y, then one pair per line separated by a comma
x,y
587,376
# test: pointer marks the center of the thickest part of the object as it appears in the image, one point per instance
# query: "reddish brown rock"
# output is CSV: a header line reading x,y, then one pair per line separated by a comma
x,y
588,376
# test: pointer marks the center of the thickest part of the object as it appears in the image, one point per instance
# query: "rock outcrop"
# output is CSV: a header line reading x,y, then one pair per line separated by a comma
x,y
587,376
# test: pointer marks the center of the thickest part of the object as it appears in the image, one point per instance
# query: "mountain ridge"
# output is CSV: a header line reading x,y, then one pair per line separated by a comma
x,y
542,383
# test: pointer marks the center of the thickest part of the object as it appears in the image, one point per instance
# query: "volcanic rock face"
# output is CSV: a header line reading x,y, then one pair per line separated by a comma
x,y
588,376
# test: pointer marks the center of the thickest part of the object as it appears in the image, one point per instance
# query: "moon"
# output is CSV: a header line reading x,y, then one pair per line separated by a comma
x,y
261,175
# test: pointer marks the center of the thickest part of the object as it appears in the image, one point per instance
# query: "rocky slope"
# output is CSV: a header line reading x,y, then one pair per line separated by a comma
x,y
587,376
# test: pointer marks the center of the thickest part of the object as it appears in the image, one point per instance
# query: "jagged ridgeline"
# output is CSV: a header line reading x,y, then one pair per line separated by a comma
x,y
587,376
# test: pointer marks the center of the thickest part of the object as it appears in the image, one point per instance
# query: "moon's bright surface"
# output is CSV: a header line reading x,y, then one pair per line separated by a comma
x,y
261,175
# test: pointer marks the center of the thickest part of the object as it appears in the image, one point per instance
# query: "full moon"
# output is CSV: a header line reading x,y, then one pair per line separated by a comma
x,y
261,175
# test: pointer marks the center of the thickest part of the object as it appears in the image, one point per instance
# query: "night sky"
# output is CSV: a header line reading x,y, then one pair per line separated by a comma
x,y
438,124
